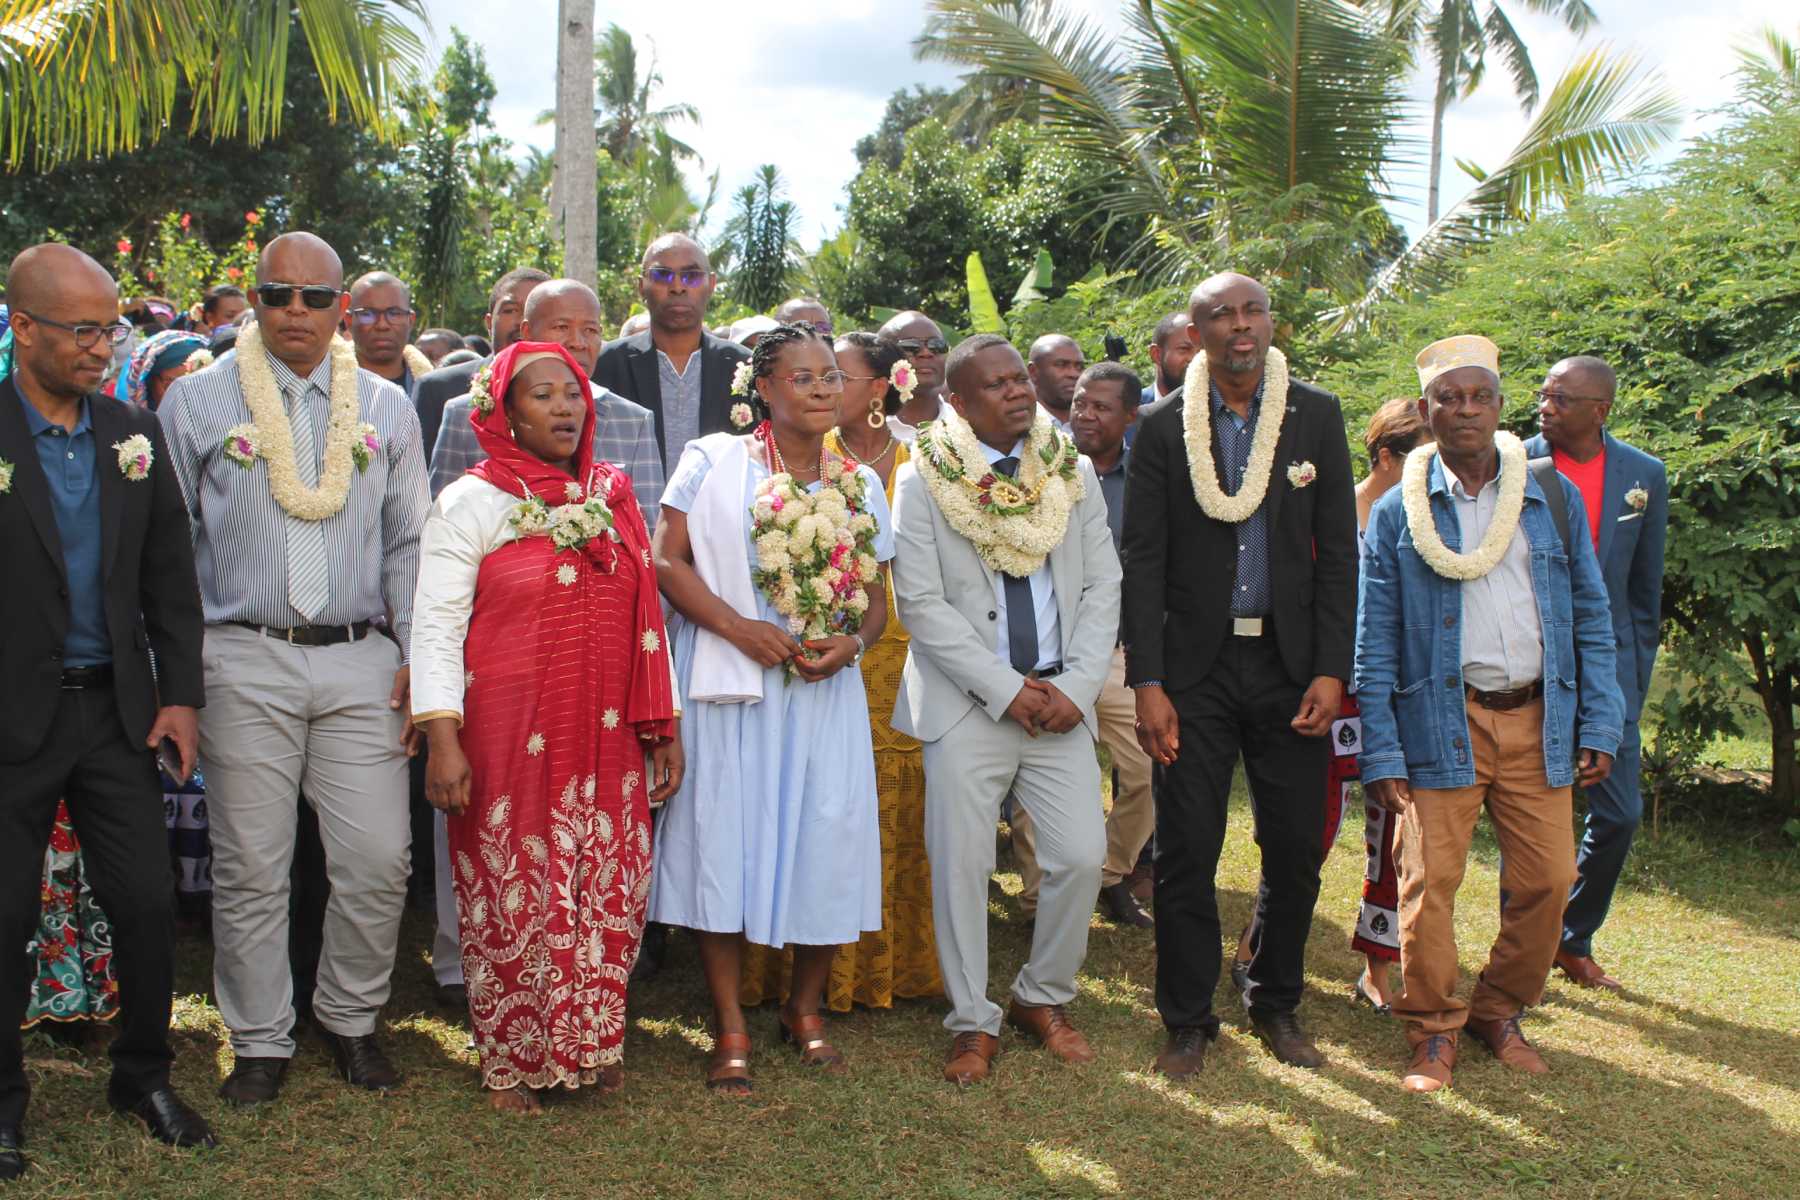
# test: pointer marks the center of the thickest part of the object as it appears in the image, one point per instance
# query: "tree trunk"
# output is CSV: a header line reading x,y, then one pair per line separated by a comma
x,y
573,198
1438,105
1784,769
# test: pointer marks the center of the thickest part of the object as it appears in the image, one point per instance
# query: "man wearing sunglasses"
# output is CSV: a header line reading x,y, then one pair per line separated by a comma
x,y
307,545
676,369
381,320
100,574
922,344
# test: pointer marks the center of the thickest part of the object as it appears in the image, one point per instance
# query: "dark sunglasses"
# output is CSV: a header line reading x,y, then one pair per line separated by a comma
x,y
86,335
691,277
936,345
313,295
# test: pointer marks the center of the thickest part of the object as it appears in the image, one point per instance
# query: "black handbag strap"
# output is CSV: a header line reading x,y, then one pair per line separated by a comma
x,y
1545,470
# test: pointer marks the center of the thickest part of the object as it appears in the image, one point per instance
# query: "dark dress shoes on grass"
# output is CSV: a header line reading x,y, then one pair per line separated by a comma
x,y
1184,1054
253,1081
1281,1032
12,1151
167,1116
1123,907
453,996
361,1062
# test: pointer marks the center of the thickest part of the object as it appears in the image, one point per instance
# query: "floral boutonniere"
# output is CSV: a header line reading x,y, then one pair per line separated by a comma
x,y
364,446
6,470
134,457
1637,498
741,416
480,399
1301,473
241,446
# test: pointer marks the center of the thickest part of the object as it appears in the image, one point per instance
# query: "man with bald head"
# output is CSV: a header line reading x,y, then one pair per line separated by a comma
x,y
305,485
676,369
381,324
804,310
1056,364
100,577
1240,607
920,342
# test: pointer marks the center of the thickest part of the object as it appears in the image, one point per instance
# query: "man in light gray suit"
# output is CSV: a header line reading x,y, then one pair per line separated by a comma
x,y
1010,647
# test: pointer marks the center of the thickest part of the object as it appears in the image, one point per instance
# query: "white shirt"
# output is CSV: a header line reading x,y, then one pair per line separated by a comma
x,y
1502,635
1043,596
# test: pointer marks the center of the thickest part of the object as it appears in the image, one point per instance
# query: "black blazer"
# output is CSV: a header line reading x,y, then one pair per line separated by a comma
x,y
152,597
1179,562
436,389
630,368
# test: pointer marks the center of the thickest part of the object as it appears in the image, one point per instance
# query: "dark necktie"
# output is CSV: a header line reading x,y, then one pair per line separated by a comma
x,y
1021,611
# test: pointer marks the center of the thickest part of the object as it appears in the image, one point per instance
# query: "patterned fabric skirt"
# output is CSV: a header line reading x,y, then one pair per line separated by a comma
x,y
900,960
73,946
1378,923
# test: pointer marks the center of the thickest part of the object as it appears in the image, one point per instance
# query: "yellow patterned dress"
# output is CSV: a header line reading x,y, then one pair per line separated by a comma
x,y
900,961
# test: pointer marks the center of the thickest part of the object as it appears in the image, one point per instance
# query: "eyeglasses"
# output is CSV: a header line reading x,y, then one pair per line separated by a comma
x,y
1563,399
936,345
822,328
691,277
313,295
86,335
802,380
368,316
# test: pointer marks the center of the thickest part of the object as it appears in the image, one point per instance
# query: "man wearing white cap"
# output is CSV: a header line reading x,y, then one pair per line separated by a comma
x,y
1485,671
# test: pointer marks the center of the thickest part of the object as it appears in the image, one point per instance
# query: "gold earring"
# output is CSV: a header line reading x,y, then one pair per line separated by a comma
x,y
877,417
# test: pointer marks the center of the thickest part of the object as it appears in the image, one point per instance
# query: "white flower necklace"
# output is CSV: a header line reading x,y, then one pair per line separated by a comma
x,y
273,436
1414,481
1013,524
1196,425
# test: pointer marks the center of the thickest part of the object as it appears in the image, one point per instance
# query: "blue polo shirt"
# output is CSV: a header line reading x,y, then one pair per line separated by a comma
x,y
68,459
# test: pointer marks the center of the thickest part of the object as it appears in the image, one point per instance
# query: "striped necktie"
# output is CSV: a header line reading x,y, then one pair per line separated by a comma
x,y
309,587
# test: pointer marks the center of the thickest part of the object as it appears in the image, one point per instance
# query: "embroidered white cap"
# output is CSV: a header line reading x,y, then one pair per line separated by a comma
x,y
1463,350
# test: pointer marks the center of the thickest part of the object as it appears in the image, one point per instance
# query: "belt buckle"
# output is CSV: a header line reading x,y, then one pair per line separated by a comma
x,y
1246,626
288,633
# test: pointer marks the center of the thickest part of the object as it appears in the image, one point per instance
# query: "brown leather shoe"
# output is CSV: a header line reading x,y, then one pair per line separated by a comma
x,y
1507,1041
1281,1033
1049,1024
970,1055
1432,1062
1184,1054
1583,971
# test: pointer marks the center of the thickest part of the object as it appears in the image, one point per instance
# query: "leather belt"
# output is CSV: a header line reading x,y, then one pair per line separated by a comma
x,y
310,635
74,679
1506,701
1249,626
1049,672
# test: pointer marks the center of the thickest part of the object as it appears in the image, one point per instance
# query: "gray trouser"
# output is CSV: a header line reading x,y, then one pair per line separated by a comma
x,y
1056,778
446,944
279,721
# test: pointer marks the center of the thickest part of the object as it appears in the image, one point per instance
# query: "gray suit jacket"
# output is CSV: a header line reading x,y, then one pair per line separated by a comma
x,y
945,595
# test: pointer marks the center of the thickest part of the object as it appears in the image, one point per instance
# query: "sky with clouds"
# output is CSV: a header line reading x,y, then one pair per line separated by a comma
x,y
797,84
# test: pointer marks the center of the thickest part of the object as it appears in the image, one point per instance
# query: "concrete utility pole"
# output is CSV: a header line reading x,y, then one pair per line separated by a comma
x,y
572,193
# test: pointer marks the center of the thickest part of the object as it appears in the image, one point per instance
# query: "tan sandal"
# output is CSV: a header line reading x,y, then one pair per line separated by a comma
x,y
519,1099
728,1070
808,1035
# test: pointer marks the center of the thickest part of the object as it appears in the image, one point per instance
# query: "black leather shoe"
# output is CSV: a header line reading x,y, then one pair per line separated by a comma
x,y
1184,1054
454,996
361,1062
1123,907
170,1120
253,1081
1281,1032
12,1155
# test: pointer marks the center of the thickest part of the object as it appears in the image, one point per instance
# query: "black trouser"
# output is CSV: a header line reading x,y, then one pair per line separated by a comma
x,y
1244,704
115,801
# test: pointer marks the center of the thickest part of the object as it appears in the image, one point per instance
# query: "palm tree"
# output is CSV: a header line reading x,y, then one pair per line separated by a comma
x,y
81,78
761,242
1770,77
627,118
1460,34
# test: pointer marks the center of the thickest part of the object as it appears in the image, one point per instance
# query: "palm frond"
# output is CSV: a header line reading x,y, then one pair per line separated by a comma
x,y
1769,75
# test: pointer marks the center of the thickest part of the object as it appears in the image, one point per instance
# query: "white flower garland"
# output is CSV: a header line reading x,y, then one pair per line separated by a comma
x,y
1196,425
274,436
415,360
1414,484
6,476
1013,528
569,526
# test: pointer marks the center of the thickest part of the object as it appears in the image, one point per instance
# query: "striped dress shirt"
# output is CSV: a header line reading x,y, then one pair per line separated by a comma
x,y
624,435
240,532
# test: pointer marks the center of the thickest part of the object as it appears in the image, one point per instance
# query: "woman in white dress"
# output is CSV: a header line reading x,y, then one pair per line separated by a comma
x,y
773,836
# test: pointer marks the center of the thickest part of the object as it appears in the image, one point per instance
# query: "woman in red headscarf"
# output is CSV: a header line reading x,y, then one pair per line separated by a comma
x,y
541,677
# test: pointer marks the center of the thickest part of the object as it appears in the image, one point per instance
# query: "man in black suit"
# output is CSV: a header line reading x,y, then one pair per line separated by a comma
x,y
506,308
1239,614
101,573
676,369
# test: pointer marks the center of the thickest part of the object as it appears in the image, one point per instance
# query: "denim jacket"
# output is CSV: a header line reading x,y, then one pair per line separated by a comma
x,y
1409,681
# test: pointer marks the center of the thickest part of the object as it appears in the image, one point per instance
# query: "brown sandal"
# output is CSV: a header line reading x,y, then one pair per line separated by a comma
x,y
808,1035
728,1070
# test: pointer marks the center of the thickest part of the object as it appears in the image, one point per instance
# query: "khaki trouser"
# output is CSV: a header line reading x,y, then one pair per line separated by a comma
x,y
1537,847
1133,816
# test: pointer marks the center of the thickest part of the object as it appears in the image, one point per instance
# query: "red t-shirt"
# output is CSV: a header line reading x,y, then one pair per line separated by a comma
x,y
1589,479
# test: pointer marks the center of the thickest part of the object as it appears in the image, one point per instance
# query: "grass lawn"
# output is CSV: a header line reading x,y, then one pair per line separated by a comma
x,y
1689,1085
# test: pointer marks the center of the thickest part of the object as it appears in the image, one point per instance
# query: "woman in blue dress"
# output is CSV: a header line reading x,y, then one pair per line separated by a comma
x,y
773,836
